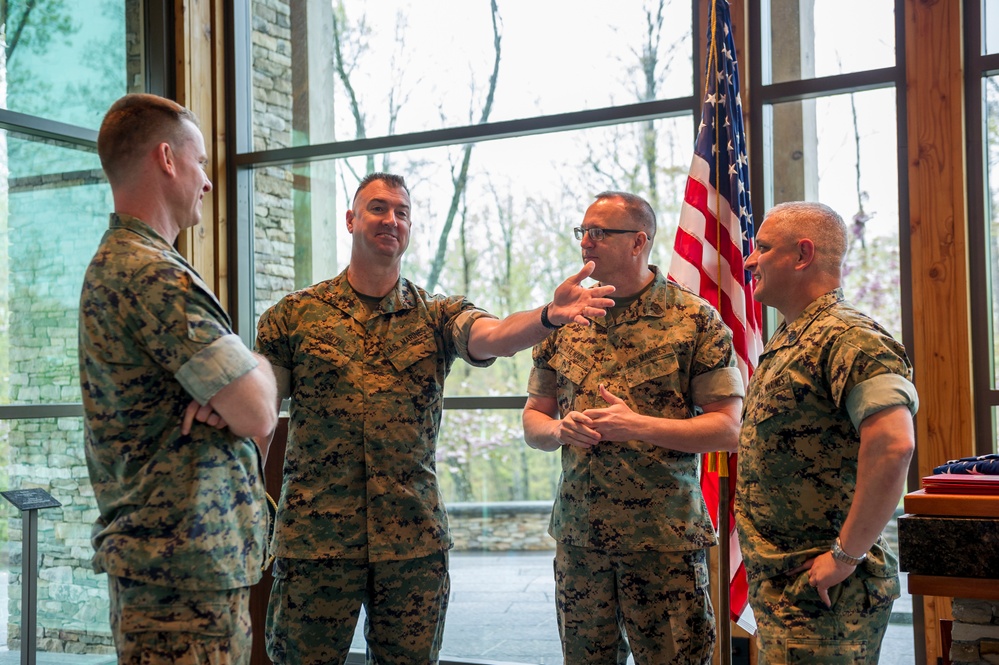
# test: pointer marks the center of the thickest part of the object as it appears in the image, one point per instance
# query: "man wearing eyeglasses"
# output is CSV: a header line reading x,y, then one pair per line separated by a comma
x,y
363,357
631,401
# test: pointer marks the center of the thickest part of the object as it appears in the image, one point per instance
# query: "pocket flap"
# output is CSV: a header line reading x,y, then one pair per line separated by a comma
x,y
650,365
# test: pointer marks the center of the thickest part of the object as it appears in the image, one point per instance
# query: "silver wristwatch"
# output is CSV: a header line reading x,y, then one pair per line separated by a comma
x,y
840,555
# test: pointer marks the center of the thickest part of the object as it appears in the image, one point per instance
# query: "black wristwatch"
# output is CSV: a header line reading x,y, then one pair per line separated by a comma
x,y
545,321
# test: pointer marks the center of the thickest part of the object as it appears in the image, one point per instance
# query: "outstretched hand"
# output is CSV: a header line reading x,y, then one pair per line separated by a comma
x,y
577,304
203,414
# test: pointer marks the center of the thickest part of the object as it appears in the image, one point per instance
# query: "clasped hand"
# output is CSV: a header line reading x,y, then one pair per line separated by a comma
x,y
585,429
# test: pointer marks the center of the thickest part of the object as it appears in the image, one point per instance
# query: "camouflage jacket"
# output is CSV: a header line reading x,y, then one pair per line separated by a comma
x,y
817,379
360,477
179,511
667,353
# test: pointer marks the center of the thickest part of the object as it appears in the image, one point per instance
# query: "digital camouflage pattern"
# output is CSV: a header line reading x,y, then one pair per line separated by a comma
x,y
799,445
796,628
156,625
314,622
360,478
665,354
625,510
659,598
817,379
177,511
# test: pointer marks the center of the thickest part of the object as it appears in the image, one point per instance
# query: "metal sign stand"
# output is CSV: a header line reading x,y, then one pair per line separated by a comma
x,y
29,502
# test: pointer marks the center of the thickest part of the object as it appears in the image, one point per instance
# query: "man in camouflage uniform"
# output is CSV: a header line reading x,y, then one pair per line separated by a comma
x,y
170,397
360,520
825,444
619,400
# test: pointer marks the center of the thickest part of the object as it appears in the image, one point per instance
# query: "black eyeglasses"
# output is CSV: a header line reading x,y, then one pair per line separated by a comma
x,y
597,234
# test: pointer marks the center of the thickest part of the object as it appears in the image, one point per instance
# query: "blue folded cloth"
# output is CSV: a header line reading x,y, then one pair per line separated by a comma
x,y
985,465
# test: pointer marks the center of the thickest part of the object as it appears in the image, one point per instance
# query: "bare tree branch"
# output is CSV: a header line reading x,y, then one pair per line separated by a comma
x,y
461,180
343,73
12,44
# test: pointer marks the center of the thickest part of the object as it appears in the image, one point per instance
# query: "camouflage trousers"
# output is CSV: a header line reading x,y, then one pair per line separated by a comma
x,y
795,626
657,601
314,606
154,625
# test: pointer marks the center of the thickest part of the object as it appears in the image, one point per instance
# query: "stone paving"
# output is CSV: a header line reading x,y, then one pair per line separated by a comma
x,y
502,611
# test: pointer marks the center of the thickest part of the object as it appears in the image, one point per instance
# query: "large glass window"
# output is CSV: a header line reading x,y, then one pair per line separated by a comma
x,y
67,61
341,71
836,141
983,204
832,149
505,119
63,64
812,39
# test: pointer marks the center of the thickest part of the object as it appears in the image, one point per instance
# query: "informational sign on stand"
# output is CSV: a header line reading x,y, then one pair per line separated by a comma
x,y
30,499
29,502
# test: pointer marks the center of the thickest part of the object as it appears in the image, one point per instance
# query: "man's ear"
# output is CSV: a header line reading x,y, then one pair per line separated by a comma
x,y
350,221
806,254
165,158
641,240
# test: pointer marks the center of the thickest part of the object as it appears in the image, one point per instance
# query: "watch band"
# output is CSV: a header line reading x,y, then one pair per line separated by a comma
x,y
545,321
840,555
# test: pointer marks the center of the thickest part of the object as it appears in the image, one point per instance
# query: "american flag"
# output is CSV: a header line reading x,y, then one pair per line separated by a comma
x,y
714,239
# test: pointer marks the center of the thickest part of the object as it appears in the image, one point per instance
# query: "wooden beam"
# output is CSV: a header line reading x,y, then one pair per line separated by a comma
x,y
938,232
200,62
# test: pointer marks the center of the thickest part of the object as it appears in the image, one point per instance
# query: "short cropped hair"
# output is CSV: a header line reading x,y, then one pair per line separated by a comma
x,y
132,125
390,179
637,208
820,224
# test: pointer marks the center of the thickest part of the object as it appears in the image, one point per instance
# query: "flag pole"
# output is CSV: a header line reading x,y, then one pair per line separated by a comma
x,y
723,617
724,569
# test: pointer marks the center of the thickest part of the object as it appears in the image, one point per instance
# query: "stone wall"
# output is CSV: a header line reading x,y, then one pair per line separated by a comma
x,y
975,632
273,210
501,527
55,224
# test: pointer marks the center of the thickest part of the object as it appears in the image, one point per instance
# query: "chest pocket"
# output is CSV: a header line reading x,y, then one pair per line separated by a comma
x,y
320,365
776,397
571,370
406,356
326,351
659,365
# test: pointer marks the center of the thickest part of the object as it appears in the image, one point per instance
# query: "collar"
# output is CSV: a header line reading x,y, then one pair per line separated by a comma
x,y
138,227
789,334
338,292
650,303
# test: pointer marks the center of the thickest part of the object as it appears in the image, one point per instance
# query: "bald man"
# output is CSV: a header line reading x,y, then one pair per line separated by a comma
x,y
825,444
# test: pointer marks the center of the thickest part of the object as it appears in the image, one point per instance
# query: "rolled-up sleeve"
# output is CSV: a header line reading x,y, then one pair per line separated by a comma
x,y
717,385
214,367
878,393
541,382
462,327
